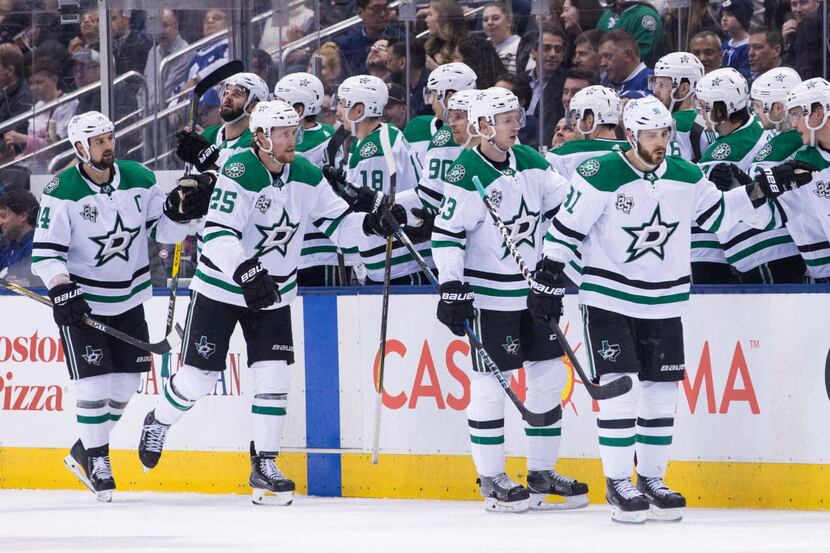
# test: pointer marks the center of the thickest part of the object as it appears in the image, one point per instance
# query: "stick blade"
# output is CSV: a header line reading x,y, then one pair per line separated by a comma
x,y
538,420
217,76
611,390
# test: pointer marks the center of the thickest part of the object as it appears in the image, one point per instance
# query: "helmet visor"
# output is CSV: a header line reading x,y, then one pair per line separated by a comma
x,y
513,118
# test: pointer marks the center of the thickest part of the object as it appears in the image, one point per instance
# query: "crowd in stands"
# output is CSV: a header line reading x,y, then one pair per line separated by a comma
x,y
43,57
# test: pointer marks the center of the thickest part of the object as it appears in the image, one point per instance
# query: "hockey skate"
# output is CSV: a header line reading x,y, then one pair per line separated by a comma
x,y
542,483
501,494
270,486
628,504
665,504
153,434
92,469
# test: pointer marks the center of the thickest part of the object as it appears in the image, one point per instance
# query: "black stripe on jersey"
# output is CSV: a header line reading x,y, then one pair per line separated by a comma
x,y
552,213
280,278
381,249
150,223
645,285
50,246
698,230
703,217
497,277
818,246
781,211
486,425
570,233
460,235
315,236
431,193
213,224
118,284
615,424
655,423
747,234
322,220
208,263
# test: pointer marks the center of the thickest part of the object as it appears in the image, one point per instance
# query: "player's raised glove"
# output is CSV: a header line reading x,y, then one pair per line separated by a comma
x,y
455,305
193,148
68,304
258,287
382,221
422,232
785,177
191,198
727,176
361,199
545,298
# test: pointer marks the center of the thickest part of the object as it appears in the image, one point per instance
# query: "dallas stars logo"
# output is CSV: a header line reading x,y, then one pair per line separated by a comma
x,y
364,80
304,82
721,151
441,137
780,77
511,346
522,227
277,236
205,348
649,237
93,356
609,352
115,243
368,150
456,173
684,59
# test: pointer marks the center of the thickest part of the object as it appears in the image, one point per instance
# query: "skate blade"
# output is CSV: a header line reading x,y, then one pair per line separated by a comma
x,y
493,505
146,469
267,497
538,502
78,471
104,496
657,514
628,517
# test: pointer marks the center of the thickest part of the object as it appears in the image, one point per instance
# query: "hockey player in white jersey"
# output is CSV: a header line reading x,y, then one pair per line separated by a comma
x,y
445,147
90,250
594,113
361,100
759,256
768,96
442,83
673,83
264,200
479,281
630,216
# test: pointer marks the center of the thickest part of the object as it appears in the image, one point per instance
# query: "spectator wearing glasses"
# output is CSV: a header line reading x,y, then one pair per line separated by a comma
x,y
355,44
377,62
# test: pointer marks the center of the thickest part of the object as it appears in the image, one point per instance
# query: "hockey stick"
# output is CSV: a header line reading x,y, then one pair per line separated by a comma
x,y
211,79
386,146
531,418
606,391
153,347
335,142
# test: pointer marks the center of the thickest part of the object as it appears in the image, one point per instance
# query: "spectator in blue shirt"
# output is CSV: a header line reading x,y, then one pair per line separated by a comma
x,y
619,59
735,18
355,43
18,209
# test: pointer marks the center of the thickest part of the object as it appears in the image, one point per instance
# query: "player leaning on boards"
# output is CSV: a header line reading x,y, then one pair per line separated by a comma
x,y
630,215
480,281
265,199
90,249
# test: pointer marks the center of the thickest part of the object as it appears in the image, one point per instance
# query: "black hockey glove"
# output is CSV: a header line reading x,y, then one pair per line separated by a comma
x,y
259,288
191,198
785,177
68,304
455,305
361,199
423,232
193,148
378,224
545,298
727,176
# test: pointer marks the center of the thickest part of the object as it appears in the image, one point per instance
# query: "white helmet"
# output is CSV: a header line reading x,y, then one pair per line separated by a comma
x,y
773,86
276,113
603,103
642,114
363,89
722,85
678,66
253,83
85,126
489,103
462,100
454,76
301,88
809,92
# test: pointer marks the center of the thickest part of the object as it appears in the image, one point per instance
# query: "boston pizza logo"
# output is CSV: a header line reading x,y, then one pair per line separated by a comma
x,y
368,150
589,168
721,151
235,170
456,173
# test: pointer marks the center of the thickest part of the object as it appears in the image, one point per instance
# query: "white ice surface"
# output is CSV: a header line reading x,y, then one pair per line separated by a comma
x,y
52,521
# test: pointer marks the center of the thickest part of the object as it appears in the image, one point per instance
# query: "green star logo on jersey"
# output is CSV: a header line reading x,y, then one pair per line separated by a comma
x,y
721,151
522,227
235,170
277,236
441,137
115,243
368,150
650,237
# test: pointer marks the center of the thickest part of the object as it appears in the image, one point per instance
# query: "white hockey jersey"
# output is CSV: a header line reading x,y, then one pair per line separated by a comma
x,y
632,231
418,133
98,234
440,156
466,244
567,157
254,213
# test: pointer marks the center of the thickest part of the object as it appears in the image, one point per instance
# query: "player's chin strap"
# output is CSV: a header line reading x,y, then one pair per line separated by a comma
x,y
492,140
353,124
635,149
675,101
814,129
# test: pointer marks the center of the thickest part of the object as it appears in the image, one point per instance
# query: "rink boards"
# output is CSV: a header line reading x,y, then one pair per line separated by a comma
x,y
750,425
